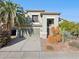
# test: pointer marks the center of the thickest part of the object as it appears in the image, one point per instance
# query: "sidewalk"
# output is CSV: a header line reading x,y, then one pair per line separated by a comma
x,y
38,55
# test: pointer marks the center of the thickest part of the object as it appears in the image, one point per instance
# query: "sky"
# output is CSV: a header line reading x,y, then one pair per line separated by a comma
x,y
69,9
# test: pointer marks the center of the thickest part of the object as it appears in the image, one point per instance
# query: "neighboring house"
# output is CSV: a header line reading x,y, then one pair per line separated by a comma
x,y
43,21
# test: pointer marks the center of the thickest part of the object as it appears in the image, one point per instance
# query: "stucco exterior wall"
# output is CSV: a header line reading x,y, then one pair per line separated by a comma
x,y
44,24
39,20
35,13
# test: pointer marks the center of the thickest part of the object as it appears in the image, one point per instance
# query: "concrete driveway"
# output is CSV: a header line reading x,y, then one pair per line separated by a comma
x,y
25,44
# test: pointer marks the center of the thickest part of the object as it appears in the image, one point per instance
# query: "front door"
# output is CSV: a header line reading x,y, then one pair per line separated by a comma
x,y
49,22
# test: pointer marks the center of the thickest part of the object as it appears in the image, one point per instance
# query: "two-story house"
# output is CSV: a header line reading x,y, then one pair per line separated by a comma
x,y
43,21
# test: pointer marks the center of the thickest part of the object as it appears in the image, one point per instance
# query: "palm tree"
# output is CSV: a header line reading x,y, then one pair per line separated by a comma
x,y
13,15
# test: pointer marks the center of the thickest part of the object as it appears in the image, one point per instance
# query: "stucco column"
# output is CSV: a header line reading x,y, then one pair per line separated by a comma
x,y
44,28
56,19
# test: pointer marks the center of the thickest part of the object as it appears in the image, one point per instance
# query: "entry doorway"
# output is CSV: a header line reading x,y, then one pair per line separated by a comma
x,y
49,22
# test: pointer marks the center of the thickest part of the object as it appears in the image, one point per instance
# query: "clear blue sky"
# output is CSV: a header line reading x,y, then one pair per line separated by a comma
x,y
69,9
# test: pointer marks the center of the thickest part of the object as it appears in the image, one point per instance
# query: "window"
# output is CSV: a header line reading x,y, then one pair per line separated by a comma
x,y
50,21
35,18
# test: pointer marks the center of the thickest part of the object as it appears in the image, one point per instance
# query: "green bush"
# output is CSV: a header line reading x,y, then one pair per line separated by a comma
x,y
4,38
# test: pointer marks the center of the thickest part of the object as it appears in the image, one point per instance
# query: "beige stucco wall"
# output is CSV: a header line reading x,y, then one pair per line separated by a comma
x,y
35,13
39,19
43,21
44,24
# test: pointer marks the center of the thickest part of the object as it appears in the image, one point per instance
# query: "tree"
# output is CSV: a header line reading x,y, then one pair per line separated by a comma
x,y
13,15
69,28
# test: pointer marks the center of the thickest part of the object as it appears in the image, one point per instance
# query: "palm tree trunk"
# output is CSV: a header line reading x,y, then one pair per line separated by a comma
x,y
12,20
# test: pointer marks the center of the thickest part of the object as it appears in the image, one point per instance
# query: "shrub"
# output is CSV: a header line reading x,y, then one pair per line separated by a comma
x,y
56,36
4,38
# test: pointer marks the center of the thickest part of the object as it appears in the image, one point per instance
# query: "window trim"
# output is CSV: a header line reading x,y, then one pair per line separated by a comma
x,y
33,20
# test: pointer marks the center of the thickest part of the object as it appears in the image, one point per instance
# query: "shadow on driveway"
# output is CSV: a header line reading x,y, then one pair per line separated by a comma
x,y
14,41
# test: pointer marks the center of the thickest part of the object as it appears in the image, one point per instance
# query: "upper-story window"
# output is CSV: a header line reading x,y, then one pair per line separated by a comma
x,y
35,18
